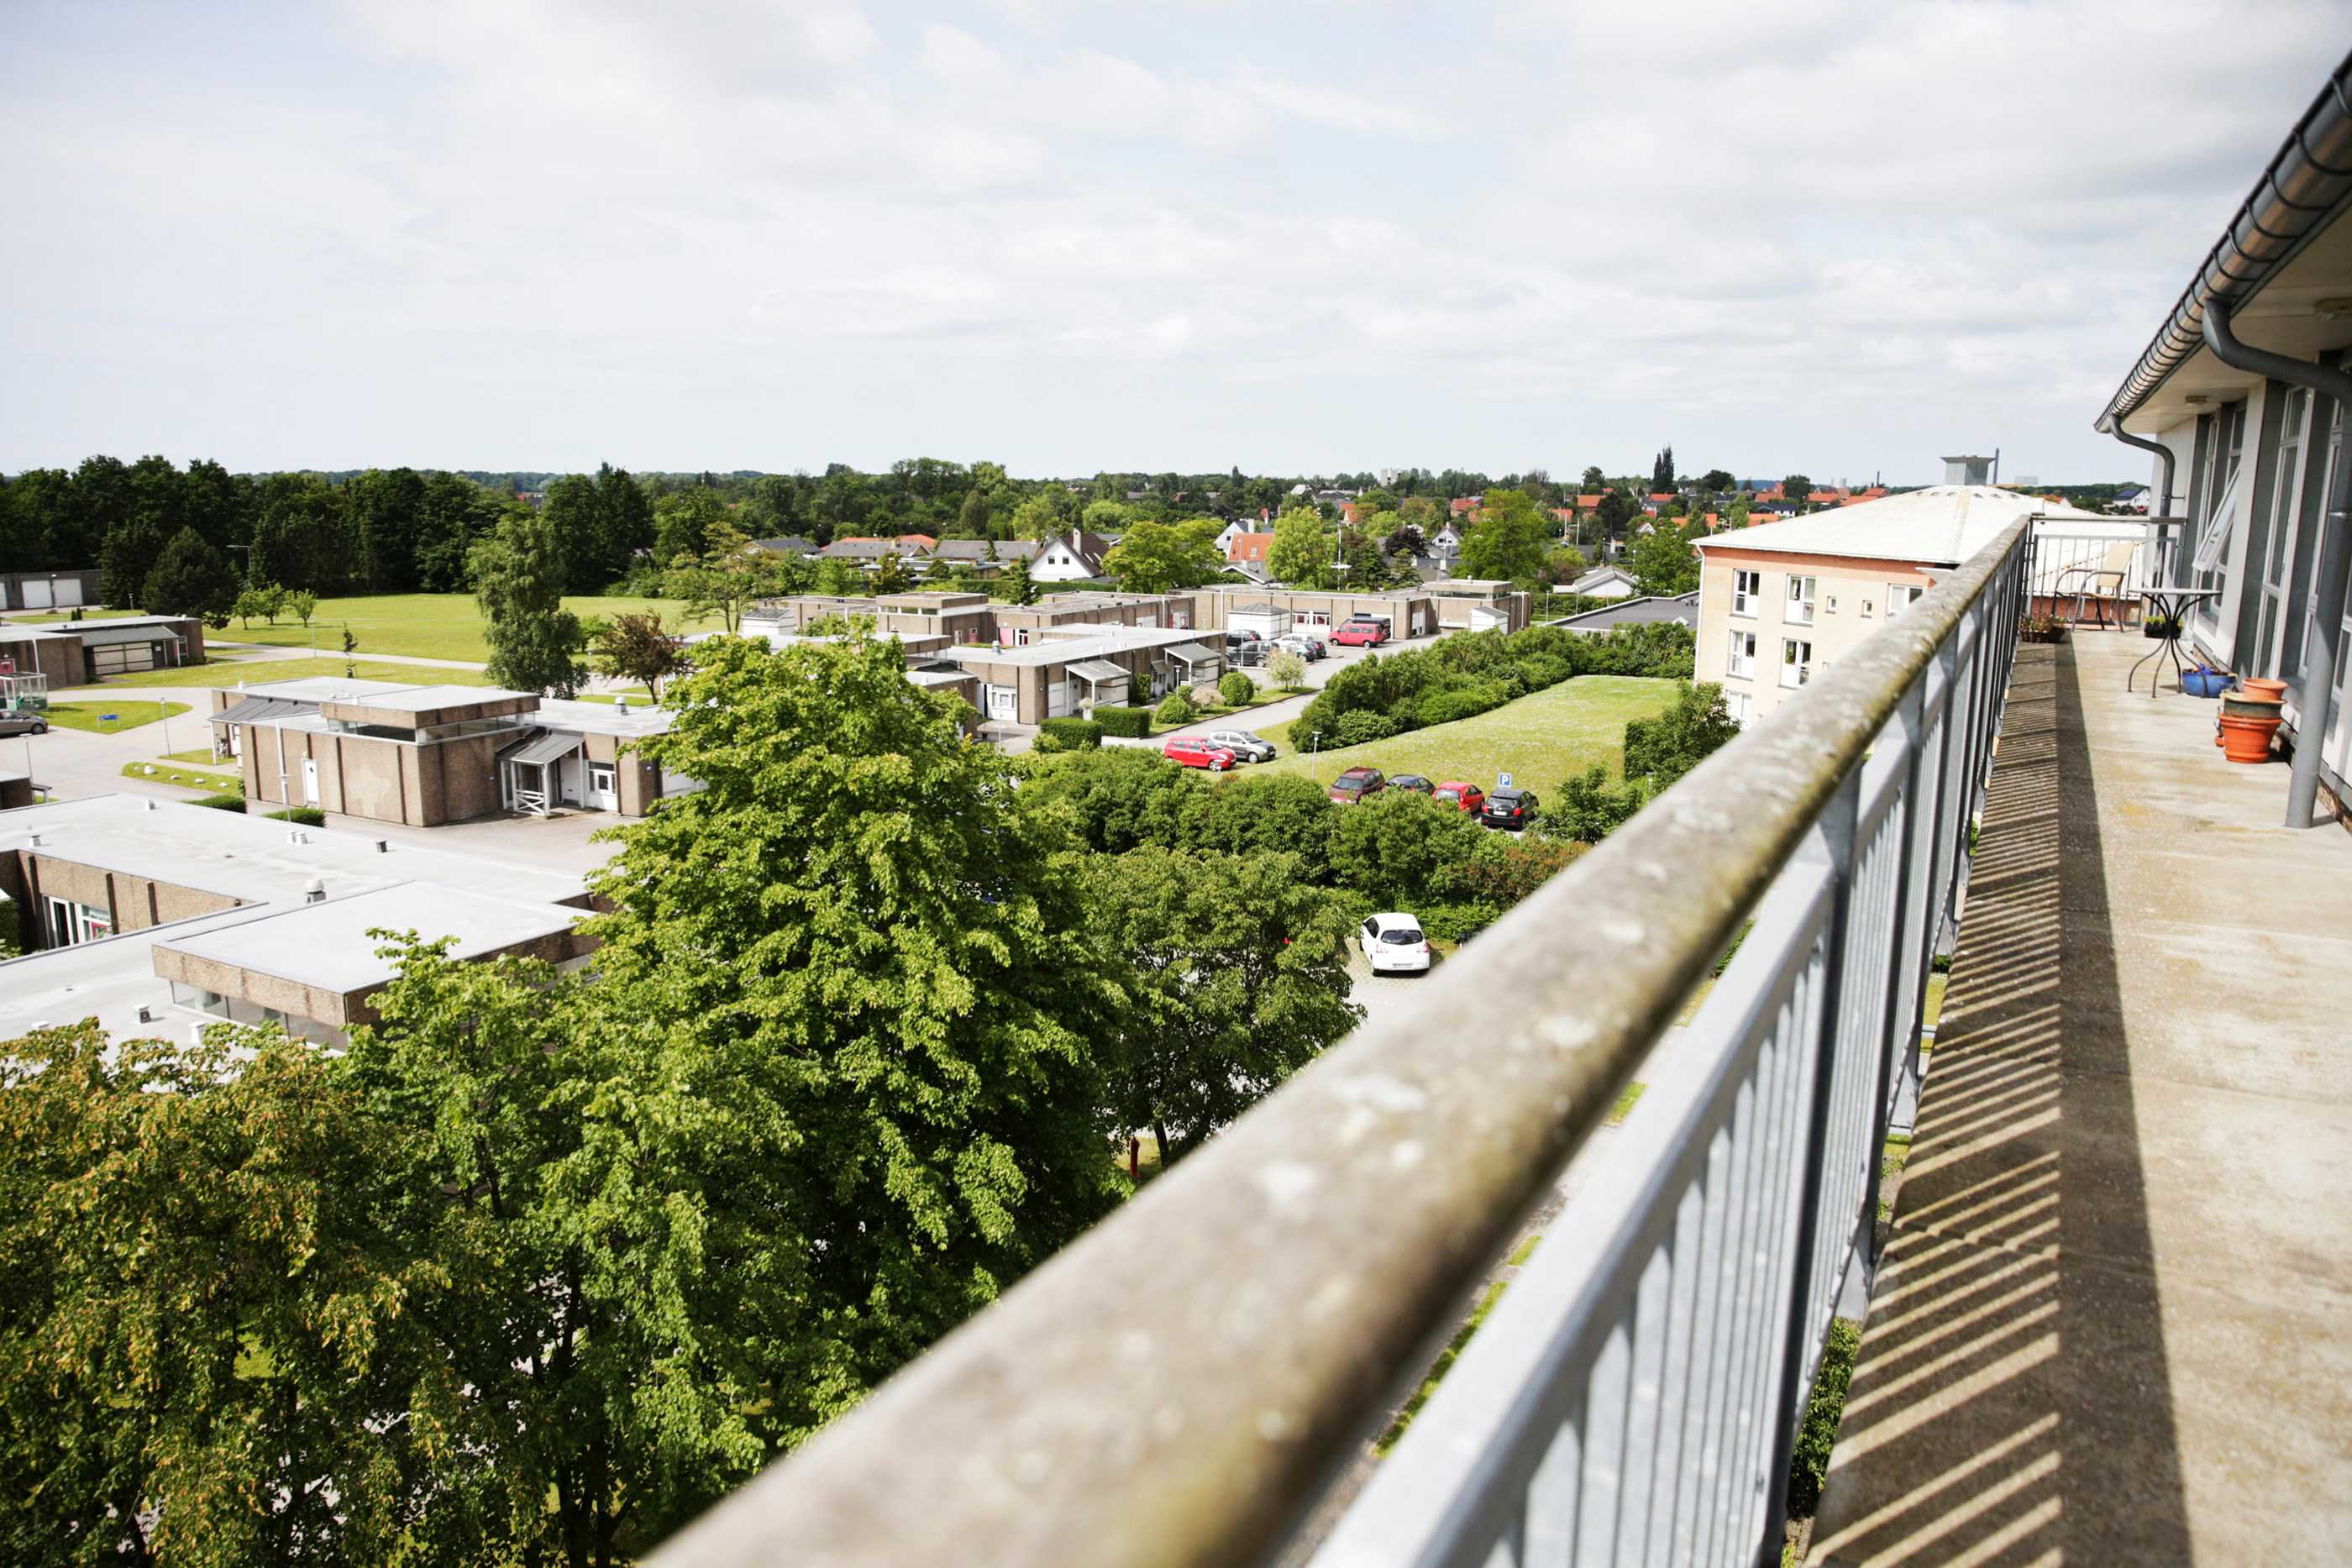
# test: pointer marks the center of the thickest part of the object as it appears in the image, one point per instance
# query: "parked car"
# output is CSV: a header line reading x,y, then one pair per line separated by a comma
x,y
1249,655
1362,631
1394,943
1307,648
1469,797
1246,746
17,721
1511,809
1357,783
1412,781
1236,639
1191,751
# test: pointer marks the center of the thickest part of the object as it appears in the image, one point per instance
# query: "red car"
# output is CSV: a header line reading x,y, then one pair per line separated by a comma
x,y
1196,753
1469,797
1361,633
1357,784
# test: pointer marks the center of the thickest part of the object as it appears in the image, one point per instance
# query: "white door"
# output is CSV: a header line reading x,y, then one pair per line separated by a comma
x,y
36,593
309,781
67,595
1004,702
602,791
1057,699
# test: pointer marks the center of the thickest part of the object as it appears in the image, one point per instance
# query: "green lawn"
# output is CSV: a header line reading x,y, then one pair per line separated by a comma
x,y
127,715
29,618
224,674
424,625
1540,739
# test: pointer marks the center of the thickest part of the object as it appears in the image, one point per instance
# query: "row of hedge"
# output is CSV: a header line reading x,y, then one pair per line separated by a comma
x,y
1462,676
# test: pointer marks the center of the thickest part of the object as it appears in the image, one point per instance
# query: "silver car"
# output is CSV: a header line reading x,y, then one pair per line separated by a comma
x,y
1245,747
14,721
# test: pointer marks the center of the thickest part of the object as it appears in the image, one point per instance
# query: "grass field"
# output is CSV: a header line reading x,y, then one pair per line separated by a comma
x,y
424,625
48,617
1538,739
228,673
128,715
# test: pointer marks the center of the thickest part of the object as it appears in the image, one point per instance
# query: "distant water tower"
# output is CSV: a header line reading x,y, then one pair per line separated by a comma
x,y
1968,470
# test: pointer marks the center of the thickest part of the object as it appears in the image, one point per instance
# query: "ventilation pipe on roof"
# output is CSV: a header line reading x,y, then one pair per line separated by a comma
x,y
2318,663
314,892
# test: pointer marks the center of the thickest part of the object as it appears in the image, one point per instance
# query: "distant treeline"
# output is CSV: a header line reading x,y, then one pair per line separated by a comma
x,y
399,530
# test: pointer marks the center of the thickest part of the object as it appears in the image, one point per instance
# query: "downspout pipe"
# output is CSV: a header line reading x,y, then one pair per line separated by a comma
x,y
2318,661
2163,507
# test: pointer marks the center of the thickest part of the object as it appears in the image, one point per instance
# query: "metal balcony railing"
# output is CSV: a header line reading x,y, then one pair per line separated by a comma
x,y
1179,1386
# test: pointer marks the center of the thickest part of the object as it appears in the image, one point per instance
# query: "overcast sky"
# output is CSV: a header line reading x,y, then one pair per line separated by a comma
x,y
1837,237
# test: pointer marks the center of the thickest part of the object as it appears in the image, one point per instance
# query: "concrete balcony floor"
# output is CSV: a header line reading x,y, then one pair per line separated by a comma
x,y
2114,1320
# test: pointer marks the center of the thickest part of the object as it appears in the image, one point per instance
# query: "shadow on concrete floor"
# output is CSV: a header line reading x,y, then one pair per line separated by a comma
x,y
2012,1400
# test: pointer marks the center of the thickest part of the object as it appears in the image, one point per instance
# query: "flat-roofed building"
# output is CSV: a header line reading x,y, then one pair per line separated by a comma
x,y
432,754
82,652
155,916
1071,670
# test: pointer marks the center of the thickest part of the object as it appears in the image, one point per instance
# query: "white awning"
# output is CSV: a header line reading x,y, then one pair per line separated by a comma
x,y
1097,671
1193,654
548,747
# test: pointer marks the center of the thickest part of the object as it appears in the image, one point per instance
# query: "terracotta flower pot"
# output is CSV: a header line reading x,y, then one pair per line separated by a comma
x,y
2251,704
2247,740
2263,686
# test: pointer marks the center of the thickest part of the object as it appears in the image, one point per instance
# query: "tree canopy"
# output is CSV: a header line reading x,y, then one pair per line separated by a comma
x,y
534,641
1509,539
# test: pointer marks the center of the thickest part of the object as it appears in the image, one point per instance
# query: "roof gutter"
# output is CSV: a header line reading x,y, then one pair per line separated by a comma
x,y
2318,660
2307,180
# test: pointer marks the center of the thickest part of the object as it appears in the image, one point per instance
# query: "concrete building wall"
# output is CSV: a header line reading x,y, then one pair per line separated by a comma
x,y
1850,600
15,790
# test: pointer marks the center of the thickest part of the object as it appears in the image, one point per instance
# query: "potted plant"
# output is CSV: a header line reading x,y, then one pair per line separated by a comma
x,y
2167,626
2248,722
2042,627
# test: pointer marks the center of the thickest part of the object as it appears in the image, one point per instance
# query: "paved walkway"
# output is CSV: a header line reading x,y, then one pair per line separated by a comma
x,y
2114,1321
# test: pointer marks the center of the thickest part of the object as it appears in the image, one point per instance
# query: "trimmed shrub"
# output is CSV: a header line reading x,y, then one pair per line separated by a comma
x,y
1457,921
1177,709
1362,725
1236,689
302,816
1128,723
1068,735
1139,692
224,802
1444,708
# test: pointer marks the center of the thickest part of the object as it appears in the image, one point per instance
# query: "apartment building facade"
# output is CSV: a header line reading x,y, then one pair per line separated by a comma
x,y
1778,601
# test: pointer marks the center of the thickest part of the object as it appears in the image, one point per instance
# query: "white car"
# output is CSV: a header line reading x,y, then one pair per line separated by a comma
x,y
1394,944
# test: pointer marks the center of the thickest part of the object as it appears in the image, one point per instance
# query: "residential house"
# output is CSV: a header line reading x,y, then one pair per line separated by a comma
x,y
1073,669
868,551
1247,549
1076,557
786,545
1605,582
986,557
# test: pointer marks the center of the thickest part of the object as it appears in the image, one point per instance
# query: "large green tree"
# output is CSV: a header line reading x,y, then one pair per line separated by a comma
x,y
1693,728
1509,539
1663,562
873,968
534,641
191,578
1153,558
388,510
1241,971
1301,551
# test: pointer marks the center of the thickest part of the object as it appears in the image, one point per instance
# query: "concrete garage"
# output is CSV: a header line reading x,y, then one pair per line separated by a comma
x,y
83,653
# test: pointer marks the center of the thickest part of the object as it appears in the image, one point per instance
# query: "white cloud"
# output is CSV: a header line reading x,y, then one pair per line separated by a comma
x,y
1831,234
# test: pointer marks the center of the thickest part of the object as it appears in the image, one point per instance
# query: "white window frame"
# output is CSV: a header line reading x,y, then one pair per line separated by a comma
x,y
1902,596
1747,587
612,777
72,923
1741,660
1796,662
1739,706
1803,592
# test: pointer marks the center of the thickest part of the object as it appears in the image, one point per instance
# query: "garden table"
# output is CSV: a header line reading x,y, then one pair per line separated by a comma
x,y
2172,604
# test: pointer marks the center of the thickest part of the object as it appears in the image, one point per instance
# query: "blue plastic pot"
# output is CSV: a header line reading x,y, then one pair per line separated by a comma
x,y
2206,682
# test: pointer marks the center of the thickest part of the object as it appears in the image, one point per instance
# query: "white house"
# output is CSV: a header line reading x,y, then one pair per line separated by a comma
x,y
1606,582
1070,557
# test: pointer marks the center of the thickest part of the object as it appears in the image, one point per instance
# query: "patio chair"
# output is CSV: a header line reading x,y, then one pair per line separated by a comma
x,y
2113,567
